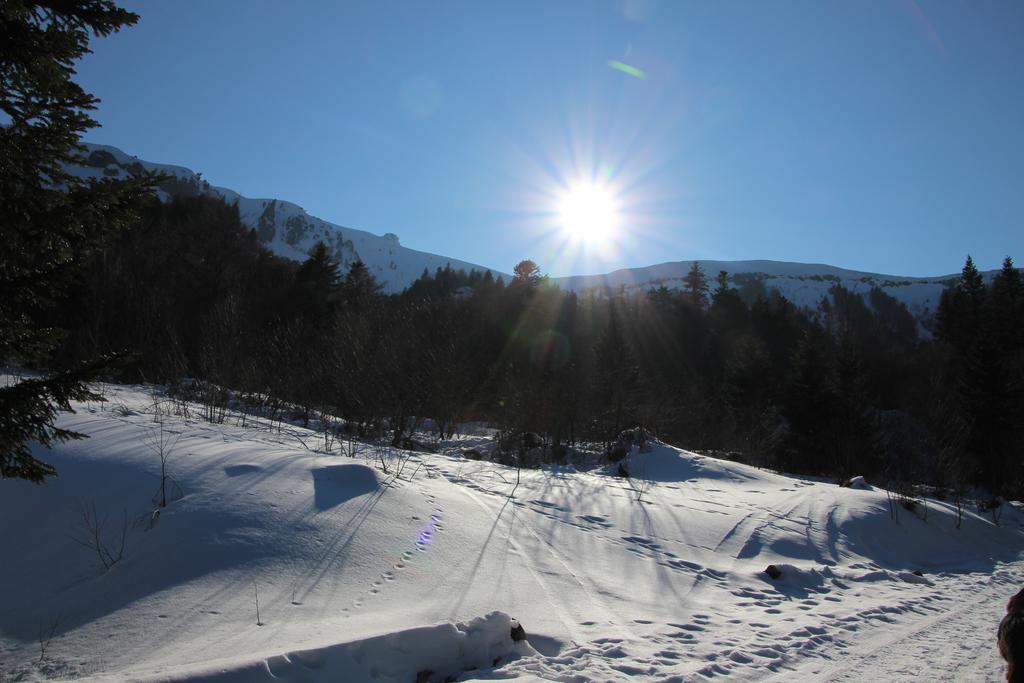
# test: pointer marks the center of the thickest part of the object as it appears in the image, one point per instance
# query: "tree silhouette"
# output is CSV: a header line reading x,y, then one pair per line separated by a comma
x,y
527,273
53,221
696,285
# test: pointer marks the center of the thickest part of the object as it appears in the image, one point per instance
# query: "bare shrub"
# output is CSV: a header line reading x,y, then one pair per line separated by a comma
x,y
47,629
993,506
162,442
92,533
256,590
638,479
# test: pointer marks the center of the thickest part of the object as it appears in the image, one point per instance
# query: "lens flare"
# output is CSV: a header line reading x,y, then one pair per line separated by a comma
x,y
627,69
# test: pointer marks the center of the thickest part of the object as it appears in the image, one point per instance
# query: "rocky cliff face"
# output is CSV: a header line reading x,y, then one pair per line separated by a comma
x,y
285,228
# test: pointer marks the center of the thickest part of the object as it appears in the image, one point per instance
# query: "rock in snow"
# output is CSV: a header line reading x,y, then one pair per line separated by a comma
x,y
857,482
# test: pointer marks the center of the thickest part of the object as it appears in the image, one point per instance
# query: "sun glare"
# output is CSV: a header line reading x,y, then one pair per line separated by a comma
x,y
588,214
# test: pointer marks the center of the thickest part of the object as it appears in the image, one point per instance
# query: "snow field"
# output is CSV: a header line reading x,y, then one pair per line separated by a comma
x,y
362,575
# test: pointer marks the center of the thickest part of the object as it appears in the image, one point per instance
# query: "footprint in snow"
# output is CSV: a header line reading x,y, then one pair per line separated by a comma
x,y
597,520
549,505
684,564
688,627
684,635
645,542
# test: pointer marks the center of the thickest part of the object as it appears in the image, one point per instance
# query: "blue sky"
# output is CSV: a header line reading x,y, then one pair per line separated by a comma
x,y
880,136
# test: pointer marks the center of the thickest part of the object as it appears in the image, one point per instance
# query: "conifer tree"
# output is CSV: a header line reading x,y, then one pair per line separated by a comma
x,y
359,285
810,405
986,367
854,432
1005,315
527,273
51,221
722,280
728,313
616,375
971,282
992,383
696,284
958,319
317,284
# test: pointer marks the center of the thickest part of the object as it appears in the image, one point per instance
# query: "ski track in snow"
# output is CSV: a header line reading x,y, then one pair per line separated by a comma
x,y
955,643
655,580
909,640
545,561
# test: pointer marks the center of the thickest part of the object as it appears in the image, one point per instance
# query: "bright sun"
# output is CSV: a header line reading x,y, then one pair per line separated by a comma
x,y
588,213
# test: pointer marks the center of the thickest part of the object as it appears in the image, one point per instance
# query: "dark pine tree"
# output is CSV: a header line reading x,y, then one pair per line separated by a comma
x,y
1005,315
51,221
317,284
992,384
696,285
810,406
359,286
616,376
526,273
958,319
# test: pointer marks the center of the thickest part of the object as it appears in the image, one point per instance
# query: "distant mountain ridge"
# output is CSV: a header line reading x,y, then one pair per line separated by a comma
x,y
802,283
283,227
287,230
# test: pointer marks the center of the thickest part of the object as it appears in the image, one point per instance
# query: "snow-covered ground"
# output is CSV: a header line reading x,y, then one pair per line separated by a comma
x,y
363,575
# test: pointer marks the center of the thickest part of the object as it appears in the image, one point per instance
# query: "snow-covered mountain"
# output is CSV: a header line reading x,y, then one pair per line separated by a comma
x,y
286,229
802,283
283,227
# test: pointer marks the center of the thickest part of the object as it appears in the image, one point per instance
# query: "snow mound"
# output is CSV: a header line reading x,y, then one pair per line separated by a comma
x,y
911,577
791,578
426,654
667,463
335,484
928,537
